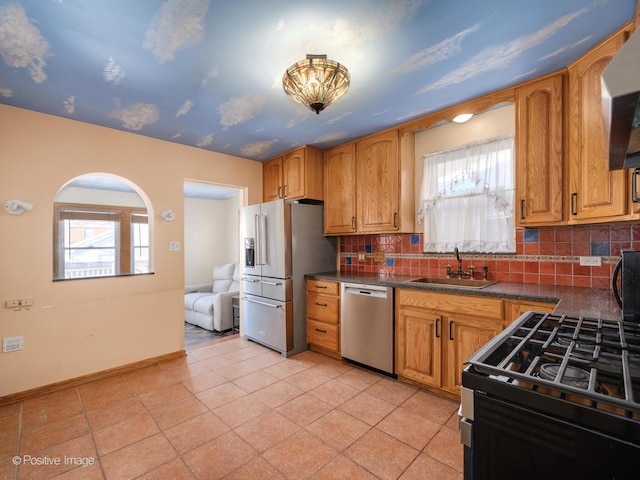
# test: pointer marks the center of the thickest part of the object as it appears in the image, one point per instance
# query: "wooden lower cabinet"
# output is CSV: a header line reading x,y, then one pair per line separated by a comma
x,y
515,308
437,332
323,317
419,345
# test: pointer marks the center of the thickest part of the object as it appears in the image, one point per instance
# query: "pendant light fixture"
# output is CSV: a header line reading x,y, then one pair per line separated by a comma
x,y
316,82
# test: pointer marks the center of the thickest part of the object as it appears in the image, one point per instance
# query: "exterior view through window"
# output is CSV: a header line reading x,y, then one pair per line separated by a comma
x,y
100,241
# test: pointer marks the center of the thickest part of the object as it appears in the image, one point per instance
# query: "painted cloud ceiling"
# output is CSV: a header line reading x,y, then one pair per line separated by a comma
x,y
208,73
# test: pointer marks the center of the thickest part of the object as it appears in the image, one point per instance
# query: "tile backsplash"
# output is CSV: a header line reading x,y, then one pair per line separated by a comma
x,y
548,255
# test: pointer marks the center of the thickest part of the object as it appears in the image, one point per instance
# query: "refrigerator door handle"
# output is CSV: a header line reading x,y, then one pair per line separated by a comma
x,y
261,303
275,284
256,229
261,239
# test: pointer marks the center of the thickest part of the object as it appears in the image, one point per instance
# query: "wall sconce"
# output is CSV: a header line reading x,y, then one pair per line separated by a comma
x,y
168,215
17,207
463,117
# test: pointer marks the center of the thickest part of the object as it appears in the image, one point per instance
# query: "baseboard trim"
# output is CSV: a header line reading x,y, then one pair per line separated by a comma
x,y
91,377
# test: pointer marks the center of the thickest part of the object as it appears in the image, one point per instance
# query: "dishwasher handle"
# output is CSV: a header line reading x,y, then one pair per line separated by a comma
x,y
365,290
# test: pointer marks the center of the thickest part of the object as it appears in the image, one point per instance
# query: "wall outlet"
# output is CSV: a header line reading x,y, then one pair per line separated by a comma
x,y
11,344
362,256
174,246
12,303
590,261
378,256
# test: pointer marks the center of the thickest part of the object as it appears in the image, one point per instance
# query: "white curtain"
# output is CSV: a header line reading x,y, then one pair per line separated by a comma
x,y
467,197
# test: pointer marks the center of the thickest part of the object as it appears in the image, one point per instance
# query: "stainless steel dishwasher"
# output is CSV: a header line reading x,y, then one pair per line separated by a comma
x,y
367,325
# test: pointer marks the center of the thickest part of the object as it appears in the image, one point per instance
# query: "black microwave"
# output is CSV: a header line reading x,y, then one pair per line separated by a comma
x,y
627,290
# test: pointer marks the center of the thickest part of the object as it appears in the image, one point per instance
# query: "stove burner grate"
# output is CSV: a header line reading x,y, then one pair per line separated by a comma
x,y
598,360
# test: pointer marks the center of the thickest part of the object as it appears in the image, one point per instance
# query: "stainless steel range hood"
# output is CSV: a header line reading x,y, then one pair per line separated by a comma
x,y
620,103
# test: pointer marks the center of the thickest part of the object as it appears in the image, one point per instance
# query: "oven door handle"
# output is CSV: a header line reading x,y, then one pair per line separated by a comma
x,y
261,303
466,427
465,431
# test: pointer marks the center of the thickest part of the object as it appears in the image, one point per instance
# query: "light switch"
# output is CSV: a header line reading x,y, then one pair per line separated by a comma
x,y
174,246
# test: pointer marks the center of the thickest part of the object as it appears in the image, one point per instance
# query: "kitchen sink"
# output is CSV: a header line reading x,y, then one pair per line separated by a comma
x,y
453,282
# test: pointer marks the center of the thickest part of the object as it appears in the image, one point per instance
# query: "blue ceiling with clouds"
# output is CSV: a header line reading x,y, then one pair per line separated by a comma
x,y
208,73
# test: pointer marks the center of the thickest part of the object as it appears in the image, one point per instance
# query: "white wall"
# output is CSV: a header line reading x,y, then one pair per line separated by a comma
x,y
210,236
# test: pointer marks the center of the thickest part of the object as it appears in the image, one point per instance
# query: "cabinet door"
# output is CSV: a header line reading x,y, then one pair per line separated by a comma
x,y
378,168
596,192
272,179
340,190
540,152
293,174
463,337
418,345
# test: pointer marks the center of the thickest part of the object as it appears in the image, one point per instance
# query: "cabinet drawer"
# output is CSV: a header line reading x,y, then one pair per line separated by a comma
x,y
322,307
475,305
323,334
322,286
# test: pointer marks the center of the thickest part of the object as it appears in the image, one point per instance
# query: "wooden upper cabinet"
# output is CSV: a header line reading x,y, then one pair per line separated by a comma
x,y
295,175
596,194
378,170
272,179
540,159
340,188
369,185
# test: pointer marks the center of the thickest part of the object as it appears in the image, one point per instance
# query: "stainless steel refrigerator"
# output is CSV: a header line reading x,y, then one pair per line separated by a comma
x,y
282,241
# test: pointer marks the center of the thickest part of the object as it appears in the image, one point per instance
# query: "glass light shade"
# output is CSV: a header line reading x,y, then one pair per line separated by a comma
x,y
463,117
316,82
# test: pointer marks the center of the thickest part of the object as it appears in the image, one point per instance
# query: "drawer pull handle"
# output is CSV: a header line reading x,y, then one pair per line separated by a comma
x,y
321,304
321,286
320,330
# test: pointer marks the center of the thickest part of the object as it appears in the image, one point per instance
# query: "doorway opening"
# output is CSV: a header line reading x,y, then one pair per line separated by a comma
x,y
211,226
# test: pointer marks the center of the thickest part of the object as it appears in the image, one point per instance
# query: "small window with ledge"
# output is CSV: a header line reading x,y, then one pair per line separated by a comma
x,y
100,239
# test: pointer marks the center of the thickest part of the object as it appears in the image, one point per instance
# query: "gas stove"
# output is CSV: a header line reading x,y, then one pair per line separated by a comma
x,y
562,388
589,361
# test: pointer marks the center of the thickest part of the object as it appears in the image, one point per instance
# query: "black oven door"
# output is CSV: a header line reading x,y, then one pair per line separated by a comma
x,y
512,442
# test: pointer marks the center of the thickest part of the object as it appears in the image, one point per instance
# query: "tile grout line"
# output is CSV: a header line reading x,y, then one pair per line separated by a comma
x,y
93,440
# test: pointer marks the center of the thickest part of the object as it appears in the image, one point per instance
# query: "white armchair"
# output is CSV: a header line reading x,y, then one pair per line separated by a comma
x,y
209,305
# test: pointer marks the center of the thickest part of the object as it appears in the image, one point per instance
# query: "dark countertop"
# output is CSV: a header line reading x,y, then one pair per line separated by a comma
x,y
575,301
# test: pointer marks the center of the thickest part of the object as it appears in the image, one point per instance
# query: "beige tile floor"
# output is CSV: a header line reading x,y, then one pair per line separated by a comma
x,y
234,410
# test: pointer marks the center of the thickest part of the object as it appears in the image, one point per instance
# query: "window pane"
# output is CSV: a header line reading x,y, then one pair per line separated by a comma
x,y
89,248
139,245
